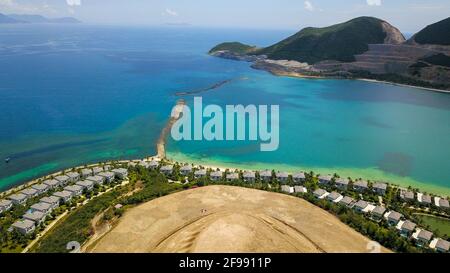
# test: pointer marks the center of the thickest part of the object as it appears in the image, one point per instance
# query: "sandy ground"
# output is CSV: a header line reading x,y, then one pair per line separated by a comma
x,y
230,219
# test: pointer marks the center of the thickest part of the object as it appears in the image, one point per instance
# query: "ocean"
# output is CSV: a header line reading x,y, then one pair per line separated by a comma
x,y
78,94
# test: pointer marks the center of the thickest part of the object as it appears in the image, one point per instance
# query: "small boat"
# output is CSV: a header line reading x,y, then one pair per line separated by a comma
x,y
7,160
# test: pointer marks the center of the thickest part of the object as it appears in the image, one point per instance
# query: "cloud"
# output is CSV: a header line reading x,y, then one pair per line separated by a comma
x,y
309,6
170,12
73,3
374,2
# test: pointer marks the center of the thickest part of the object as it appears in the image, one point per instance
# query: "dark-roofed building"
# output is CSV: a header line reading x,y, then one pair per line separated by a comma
x,y
24,226
121,173
265,176
36,216
18,199
360,186
360,206
426,199
342,183
87,185
249,176
232,177
186,170
5,205
98,180
167,169
347,201
407,228
299,177
108,176
442,246
97,170
45,208
200,173
394,217
320,193
85,173
378,212
40,188
63,179
380,188
325,179
443,203
52,184
282,177
334,197
216,176
74,176
63,196
424,237
30,192
52,200
76,190
406,195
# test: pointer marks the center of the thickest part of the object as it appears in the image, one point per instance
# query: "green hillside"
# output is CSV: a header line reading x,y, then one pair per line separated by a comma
x,y
338,42
438,34
234,47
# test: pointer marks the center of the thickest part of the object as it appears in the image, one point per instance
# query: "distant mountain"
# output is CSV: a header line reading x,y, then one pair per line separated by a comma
x,y
435,34
364,47
39,19
8,20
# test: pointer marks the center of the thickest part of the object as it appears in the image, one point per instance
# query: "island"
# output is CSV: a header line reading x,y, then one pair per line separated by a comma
x,y
35,19
363,48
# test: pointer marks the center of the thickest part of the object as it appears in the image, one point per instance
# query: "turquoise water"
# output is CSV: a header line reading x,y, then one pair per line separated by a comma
x,y
80,94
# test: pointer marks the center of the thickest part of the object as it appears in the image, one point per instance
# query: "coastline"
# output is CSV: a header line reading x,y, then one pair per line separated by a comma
x,y
369,174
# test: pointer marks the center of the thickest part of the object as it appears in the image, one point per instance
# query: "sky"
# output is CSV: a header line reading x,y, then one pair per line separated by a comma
x,y
408,15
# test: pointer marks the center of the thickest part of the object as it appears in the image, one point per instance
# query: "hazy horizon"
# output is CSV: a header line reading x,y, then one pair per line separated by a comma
x,y
251,14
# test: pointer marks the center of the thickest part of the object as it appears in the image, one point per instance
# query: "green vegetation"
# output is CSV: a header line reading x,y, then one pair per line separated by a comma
x,y
438,59
234,47
437,33
77,225
438,225
338,42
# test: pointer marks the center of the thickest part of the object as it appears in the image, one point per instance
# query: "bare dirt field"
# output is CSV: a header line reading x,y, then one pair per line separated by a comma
x,y
230,219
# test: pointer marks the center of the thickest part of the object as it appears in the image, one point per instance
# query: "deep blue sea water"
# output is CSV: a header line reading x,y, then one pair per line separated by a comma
x,y
71,95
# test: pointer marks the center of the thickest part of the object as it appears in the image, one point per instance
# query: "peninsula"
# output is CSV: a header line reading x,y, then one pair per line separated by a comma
x,y
362,48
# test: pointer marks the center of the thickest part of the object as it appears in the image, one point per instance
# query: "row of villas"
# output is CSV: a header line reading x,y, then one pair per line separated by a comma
x,y
424,199
406,228
70,185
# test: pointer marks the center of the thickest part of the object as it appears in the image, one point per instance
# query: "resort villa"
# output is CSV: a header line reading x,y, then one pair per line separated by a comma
x,y
153,165
52,184
73,176
360,206
422,237
18,199
30,193
287,189
300,189
407,228
64,196
265,176
216,176
378,212
282,177
186,170
342,183
232,177
75,190
40,188
320,193
393,217
407,195
63,179
380,188
167,169
98,180
86,185
200,173
36,216
24,226
347,201
334,197
299,178
440,245
85,173
360,186
5,205
120,173
45,208
107,176
52,200
249,177
325,179
97,170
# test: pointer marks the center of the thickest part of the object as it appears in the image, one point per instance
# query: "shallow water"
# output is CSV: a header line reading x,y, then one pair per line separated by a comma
x,y
72,95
